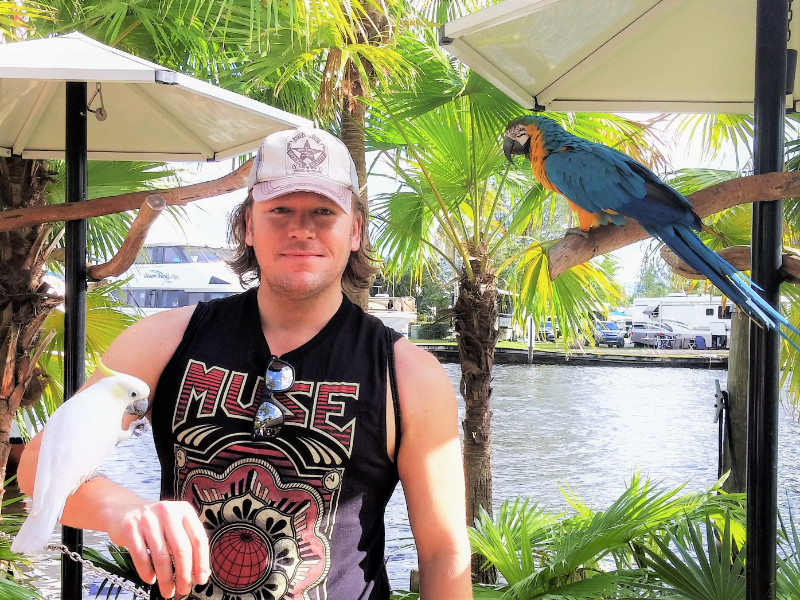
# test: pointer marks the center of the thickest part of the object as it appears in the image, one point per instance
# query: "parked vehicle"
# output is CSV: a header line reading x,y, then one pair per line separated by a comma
x,y
545,331
608,333
665,335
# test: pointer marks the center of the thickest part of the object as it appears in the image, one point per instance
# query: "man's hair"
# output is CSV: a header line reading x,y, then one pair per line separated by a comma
x,y
358,274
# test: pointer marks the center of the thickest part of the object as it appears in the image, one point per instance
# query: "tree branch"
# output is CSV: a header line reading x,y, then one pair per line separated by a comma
x,y
574,249
133,242
35,215
739,257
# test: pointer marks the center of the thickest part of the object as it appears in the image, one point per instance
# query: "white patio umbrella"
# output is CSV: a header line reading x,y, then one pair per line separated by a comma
x,y
150,112
614,55
721,56
141,111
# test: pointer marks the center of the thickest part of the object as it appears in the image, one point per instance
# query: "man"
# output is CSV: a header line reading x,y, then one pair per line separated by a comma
x,y
279,437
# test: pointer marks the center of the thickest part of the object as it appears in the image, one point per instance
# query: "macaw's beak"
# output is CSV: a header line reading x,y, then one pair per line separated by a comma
x,y
512,147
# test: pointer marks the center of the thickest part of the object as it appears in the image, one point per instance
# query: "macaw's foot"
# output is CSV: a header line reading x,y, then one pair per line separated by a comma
x,y
577,231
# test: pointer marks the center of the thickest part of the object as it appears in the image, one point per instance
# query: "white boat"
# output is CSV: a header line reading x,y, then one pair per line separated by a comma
x,y
395,311
171,275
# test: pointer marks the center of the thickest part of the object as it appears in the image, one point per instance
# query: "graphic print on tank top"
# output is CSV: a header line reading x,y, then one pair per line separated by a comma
x,y
269,507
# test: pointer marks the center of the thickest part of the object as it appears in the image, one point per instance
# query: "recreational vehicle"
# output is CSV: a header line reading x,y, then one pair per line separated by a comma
x,y
704,314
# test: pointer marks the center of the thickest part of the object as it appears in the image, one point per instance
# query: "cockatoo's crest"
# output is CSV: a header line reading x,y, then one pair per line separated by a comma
x,y
105,370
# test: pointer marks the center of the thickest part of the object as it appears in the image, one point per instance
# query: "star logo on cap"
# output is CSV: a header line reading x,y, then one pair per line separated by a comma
x,y
305,157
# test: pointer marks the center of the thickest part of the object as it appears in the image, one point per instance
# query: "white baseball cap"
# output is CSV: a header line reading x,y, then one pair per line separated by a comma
x,y
303,160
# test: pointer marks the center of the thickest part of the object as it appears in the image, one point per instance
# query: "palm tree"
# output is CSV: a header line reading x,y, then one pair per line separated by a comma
x,y
461,204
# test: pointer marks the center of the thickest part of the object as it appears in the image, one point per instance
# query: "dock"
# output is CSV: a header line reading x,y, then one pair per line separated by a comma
x,y
595,357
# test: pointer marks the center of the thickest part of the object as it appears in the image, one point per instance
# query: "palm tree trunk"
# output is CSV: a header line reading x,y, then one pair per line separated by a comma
x,y
353,112
477,334
373,29
24,298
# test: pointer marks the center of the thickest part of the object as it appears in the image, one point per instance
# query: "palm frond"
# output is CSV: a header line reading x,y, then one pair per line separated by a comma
x,y
16,18
570,298
120,564
697,570
787,578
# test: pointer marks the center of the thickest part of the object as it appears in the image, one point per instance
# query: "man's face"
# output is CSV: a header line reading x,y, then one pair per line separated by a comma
x,y
302,242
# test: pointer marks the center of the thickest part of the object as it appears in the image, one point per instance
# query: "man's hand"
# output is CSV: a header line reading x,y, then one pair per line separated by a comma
x,y
167,543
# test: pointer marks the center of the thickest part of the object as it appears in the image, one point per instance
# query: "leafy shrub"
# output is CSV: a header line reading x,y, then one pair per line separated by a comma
x,y
434,331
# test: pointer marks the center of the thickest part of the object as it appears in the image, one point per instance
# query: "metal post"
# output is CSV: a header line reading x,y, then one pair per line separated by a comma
x,y
762,422
74,299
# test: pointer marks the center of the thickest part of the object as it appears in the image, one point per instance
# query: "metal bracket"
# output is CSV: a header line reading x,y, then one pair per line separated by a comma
x,y
721,401
100,112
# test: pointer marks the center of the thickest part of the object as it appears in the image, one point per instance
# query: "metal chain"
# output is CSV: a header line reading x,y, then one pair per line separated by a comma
x,y
95,570
91,568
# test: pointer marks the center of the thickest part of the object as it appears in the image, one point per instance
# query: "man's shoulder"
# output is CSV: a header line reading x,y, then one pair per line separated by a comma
x,y
417,369
163,325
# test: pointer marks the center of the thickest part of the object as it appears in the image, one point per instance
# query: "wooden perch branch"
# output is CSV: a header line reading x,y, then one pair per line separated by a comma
x,y
739,257
573,249
35,215
148,213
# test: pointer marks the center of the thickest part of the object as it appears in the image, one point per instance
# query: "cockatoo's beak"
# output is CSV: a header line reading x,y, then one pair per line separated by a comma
x,y
138,408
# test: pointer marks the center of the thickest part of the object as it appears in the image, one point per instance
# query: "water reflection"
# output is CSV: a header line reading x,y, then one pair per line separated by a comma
x,y
588,428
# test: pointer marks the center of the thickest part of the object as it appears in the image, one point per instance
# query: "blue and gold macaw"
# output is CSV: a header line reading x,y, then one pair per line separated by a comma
x,y
603,185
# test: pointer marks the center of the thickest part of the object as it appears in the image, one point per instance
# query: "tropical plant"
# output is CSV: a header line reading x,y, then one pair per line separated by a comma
x,y
686,567
14,583
119,564
600,554
26,256
787,578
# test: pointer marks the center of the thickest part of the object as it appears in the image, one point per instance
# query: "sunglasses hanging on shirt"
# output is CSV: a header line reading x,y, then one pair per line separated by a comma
x,y
269,419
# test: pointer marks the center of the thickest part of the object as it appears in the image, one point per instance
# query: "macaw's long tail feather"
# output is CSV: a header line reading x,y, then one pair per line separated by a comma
x,y
37,529
689,248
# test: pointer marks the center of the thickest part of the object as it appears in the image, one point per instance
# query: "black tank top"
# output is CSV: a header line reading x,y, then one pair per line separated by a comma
x,y
299,515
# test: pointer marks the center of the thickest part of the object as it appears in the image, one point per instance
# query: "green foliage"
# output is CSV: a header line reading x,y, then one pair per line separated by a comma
x,y
105,320
595,554
694,570
653,280
15,17
458,196
787,578
434,331
14,584
119,564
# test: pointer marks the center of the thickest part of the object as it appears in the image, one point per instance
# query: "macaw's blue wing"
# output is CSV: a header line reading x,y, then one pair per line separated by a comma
x,y
602,180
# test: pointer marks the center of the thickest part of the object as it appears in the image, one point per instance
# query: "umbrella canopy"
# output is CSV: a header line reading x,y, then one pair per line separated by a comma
x,y
149,112
613,55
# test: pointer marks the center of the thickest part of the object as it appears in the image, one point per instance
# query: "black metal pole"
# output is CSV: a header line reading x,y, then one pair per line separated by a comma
x,y
74,299
772,18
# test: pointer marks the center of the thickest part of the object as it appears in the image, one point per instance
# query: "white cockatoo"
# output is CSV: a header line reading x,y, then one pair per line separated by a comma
x,y
76,439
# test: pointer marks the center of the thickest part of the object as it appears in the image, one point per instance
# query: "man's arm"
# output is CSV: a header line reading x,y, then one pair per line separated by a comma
x,y
155,533
430,466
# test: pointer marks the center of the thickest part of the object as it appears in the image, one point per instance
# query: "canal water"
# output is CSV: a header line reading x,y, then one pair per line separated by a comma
x,y
588,428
